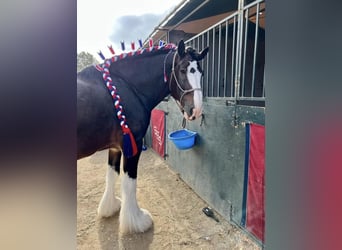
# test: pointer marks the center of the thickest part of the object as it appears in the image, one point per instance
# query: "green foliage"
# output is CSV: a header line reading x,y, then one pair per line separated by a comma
x,y
85,59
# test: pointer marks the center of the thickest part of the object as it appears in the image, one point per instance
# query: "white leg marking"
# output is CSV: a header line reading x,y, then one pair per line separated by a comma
x,y
132,218
109,204
194,77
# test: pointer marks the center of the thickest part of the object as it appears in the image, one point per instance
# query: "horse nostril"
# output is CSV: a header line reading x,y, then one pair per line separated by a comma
x,y
191,114
190,111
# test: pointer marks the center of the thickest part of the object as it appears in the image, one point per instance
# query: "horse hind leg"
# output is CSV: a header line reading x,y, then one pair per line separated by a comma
x,y
109,203
132,218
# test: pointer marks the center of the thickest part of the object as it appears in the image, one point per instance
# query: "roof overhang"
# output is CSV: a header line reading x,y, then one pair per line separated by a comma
x,y
194,16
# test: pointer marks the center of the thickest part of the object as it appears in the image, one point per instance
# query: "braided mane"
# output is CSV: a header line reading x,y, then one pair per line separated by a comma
x,y
133,53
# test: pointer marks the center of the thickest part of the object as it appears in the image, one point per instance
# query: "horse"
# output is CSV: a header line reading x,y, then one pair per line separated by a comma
x,y
141,79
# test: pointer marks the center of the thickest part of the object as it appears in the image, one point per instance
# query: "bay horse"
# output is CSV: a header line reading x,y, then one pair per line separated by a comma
x,y
142,80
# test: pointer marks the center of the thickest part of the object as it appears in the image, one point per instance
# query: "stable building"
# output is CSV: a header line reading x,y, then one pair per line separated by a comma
x,y
226,165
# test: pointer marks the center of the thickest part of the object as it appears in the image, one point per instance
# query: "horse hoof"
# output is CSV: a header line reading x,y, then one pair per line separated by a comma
x,y
135,222
109,206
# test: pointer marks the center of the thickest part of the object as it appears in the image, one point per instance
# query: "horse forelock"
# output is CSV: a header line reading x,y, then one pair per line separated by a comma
x,y
193,53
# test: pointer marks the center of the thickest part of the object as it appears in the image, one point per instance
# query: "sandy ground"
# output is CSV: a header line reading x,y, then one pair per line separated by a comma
x,y
179,222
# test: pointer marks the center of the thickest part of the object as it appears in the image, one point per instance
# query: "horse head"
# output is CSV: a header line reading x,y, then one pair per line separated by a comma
x,y
185,82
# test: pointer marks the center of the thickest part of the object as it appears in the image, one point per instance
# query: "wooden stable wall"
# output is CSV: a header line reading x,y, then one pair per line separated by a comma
x,y
214,168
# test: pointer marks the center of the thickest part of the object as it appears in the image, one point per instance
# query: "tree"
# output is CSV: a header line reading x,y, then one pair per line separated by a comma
x,y
85,59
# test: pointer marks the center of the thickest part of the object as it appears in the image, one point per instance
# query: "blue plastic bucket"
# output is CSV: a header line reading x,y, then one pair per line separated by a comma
x,y
183,139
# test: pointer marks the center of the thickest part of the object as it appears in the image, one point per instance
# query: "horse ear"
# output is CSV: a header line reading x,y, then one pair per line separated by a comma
x,y
181,49
203,53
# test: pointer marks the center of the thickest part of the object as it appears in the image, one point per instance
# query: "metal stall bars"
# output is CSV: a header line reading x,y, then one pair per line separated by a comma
x,y
234,67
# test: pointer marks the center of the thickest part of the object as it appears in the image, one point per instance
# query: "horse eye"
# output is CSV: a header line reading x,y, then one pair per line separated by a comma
x,y
192,70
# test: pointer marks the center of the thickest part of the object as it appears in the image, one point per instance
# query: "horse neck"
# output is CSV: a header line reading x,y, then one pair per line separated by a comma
x,y
145,76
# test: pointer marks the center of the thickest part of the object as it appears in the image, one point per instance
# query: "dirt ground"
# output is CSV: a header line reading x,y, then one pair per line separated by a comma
x,y
179,222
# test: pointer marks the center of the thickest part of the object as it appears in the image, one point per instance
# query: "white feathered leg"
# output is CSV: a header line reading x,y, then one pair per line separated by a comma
x,y
109,204
132,218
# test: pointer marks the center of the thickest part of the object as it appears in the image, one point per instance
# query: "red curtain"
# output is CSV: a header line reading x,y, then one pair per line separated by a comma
x,y
254,198
158,131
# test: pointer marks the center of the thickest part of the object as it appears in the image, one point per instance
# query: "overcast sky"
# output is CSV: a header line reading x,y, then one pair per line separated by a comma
x,y
104,22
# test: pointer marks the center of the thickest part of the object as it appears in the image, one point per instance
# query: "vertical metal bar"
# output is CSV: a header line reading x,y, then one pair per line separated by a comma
x,y
239,51
255,46
233,56
213,64
199,48
196,44
208,65
225,60
219,61
263,84
243,80
203,46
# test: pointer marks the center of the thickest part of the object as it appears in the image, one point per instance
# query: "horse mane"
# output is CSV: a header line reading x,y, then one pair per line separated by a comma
x,y
141,53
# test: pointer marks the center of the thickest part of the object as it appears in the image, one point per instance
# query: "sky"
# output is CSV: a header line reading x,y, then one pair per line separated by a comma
x,y
107,22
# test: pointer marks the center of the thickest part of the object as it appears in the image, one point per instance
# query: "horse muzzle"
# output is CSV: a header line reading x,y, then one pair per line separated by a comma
x,y
192,113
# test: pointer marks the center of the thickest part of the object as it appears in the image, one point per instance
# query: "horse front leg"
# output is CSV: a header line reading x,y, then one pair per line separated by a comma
x,y
132,218
110,204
